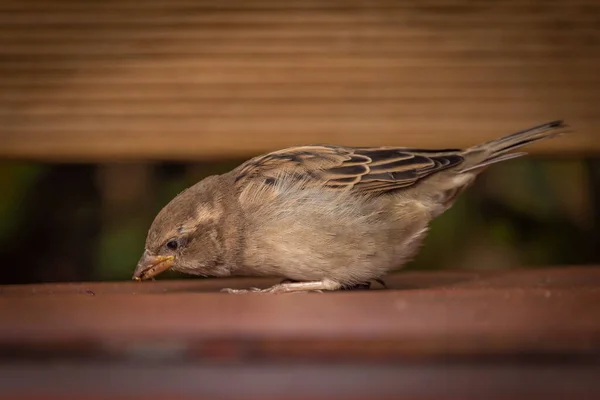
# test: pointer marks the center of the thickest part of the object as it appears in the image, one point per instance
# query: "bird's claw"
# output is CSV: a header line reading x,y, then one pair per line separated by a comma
x,y
241,291
276,289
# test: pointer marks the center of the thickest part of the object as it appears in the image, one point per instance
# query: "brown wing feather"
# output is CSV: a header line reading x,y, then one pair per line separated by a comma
x,y
371,169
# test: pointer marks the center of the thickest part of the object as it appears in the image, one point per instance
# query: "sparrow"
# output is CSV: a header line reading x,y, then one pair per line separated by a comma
x,y
323,217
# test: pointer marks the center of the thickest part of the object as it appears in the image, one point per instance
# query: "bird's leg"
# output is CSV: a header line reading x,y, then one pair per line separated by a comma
x,y
293,287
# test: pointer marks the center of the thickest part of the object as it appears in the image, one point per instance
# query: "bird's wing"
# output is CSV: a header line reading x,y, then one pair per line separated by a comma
x,y
365,170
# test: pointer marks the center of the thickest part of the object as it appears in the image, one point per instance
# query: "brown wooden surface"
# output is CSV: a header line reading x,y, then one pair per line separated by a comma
x,y
422,315
149,381
198,79
436,335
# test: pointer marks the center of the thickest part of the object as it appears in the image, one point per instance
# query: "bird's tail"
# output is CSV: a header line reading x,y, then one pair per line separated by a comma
x,y
499,149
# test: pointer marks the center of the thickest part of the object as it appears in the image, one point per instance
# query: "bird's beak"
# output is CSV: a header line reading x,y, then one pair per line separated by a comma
x,y
150,265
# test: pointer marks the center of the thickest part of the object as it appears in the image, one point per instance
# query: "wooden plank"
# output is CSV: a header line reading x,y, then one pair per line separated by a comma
x,y
124,139
70,108
198,80
31,75
477,335
440,5
251,46
422,315
150,380
31,35
85,141
374,15
323,95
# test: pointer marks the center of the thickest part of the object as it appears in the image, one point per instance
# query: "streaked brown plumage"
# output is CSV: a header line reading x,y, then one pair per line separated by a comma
x,y
325,217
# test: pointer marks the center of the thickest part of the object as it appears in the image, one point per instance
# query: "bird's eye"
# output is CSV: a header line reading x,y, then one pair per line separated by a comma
x,y
172,244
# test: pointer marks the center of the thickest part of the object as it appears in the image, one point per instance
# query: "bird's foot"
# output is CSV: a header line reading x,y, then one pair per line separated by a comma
x,y
293,287
241,291
358,286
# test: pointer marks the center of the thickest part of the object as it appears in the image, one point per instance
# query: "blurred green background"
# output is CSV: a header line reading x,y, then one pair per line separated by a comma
x,y
69,222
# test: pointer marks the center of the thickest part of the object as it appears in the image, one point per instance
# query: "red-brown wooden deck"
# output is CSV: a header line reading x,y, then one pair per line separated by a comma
x,y
442,335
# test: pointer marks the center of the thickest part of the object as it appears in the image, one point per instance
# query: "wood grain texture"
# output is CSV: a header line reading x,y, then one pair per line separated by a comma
x,y
185,80
531,334
421,315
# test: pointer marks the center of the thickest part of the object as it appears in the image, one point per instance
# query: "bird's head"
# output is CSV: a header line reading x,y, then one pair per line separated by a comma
x,y
186,234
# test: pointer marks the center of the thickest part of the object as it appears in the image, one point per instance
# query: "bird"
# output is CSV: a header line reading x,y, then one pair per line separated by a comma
x,y
322,217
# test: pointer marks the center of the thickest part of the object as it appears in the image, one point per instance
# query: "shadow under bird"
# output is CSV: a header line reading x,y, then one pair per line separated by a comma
x,y
323,217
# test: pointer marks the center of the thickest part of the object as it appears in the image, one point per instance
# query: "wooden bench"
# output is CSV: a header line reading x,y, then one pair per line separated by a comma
x,y
195,80
444,335
199,80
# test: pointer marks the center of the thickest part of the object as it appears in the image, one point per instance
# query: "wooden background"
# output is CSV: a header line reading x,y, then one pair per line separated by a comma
x,y
445,336
186,79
